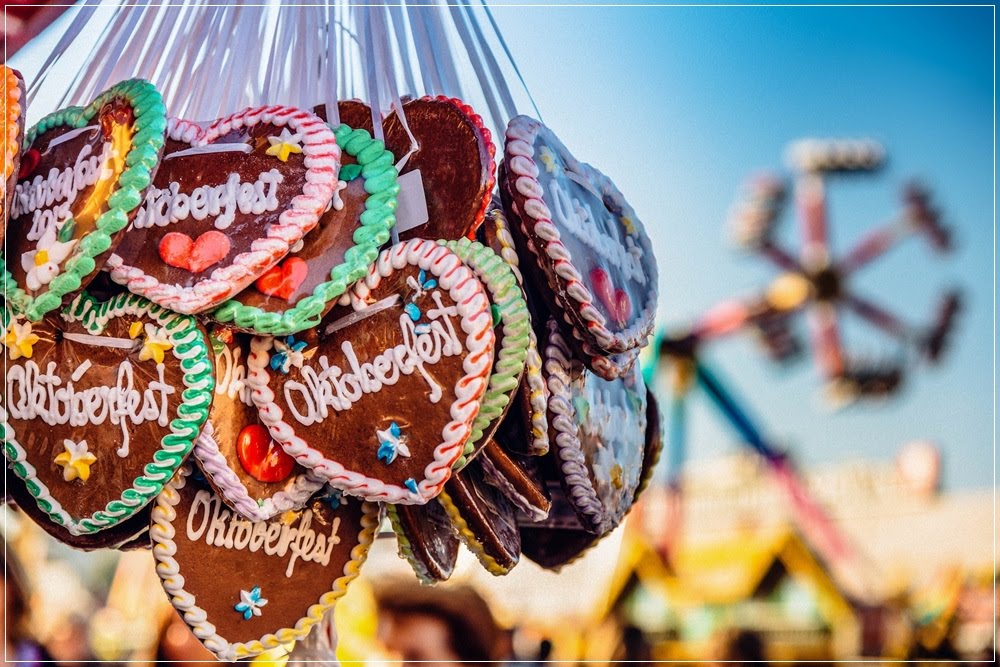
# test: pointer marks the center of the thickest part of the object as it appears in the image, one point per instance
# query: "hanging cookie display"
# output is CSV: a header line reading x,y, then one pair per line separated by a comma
x,y
512,325
103,404
250,471
598,431
14,101
380,399
228,203
518,479
295,294
532,394
83,174
597,261
246,586
426,539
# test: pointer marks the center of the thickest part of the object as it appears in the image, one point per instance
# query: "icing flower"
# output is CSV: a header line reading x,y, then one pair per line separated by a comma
x,y
288,353
335,499
20,340
284,145
420,284
629,224
250,603
392,443
411,484
156,343
42,264
548,159
75,460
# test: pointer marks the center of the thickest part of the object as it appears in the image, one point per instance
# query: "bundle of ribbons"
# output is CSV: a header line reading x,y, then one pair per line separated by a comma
x,y
244,343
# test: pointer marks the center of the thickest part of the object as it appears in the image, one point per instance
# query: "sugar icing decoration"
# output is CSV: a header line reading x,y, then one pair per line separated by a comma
x,y
75,460
131,155
284,145
251,603
19,339
289,352
392,443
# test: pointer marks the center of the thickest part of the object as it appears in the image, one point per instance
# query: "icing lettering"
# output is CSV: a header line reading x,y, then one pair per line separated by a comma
x,y
329,387
220,527
579,219
50,197
33,394
169,205
231,375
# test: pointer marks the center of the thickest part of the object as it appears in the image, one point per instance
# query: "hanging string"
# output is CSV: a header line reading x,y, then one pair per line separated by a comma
x,y
331,64
84,14
510,57
471,50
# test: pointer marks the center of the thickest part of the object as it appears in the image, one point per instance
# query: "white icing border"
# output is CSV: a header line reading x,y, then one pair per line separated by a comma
x,y
519,153
161,533
322,161
234,493
477,324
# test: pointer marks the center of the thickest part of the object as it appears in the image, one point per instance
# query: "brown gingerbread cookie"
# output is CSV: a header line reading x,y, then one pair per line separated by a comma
x,y
597,261
654,442
227,204
426,539
518,479
250,471
104,401
246,586
381,398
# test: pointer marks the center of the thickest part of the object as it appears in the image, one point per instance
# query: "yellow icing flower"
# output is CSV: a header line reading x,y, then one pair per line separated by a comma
x,y
155,345
616,476
629,224
19,340
284,145
76,460
135,329
548,159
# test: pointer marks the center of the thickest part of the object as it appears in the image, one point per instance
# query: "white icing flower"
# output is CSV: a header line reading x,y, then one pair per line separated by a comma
x,y
250,603
156,343
284,145
75,460
42,264
19,339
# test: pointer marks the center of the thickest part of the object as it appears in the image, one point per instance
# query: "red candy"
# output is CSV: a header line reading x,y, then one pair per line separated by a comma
x,y
261,457
181,251
282,280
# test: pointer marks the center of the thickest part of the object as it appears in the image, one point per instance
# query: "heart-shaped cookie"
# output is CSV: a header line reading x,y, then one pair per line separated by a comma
x,y
84,172
426,539
512,325
381,398
245,586
597,261
598,429
250,471
14,101
103,404
533,394
227,204
295,294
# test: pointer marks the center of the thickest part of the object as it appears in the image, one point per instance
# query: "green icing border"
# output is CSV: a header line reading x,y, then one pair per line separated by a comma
x,y
150,124
192,349
505,293
379,172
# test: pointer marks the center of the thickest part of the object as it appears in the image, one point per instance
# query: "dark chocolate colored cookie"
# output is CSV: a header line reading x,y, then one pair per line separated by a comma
x,y
426,539
518,479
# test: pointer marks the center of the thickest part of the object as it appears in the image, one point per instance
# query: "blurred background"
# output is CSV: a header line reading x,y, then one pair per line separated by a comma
x,y
682,106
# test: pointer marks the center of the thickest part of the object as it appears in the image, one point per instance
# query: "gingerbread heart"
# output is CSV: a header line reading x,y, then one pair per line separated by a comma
x,y
13,114
512,325
84,173
531,437
242,193
598,428
295,294
249,470
104,402
246,586
381,398
596,259
516,478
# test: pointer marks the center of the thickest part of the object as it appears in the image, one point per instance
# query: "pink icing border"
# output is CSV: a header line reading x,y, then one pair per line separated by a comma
x,y
476,322
322,160
519,153
234,492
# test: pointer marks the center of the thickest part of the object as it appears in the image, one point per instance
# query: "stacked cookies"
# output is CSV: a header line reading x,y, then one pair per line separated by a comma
x,y
213,346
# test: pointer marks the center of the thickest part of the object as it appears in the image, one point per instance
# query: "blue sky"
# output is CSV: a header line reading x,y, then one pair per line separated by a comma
x,y
680,104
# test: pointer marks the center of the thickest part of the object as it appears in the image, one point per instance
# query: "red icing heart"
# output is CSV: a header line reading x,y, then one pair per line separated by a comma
x,y
261,457
615,301
283,279
28,163
177,249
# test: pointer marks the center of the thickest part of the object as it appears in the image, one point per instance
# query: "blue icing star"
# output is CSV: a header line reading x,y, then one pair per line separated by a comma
x,y
413,311
411,484
392,443
250,603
